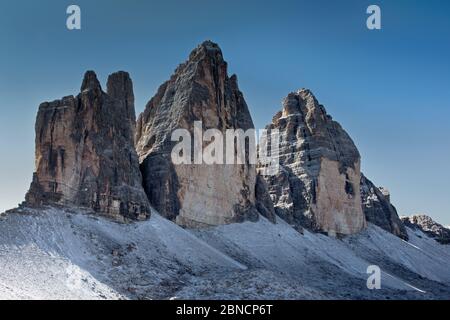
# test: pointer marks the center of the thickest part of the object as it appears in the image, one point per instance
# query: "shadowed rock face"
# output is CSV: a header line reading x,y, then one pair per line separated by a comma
x,y
264,203
379,210
85,151
319,179
429,227
196,195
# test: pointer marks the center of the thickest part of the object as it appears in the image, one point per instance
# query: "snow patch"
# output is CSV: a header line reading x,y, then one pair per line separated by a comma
x,y
62,254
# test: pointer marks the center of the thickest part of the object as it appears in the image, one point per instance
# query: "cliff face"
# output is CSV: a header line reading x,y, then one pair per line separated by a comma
x,y
85,151
196,195
318,186
379,210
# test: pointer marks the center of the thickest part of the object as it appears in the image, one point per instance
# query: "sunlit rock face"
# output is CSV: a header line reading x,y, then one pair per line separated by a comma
x,y
428,226
318,186
196,195
378,209
85,152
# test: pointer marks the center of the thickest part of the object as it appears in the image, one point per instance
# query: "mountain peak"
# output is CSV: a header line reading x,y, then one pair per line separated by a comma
x,y
207,50
428,226
295,101
90,81
320,186
85,153
210,45
199,90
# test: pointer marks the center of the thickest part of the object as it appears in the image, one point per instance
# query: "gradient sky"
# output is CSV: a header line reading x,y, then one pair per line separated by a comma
x,y
389,89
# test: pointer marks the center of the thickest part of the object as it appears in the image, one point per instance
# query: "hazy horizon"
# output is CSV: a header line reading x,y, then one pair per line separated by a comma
x,y
389,89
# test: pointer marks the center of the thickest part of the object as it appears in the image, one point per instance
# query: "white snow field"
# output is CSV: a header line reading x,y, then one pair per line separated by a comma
x,y
69,254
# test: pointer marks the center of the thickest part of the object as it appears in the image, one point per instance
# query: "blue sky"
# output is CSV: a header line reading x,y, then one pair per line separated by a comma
x,y
390,89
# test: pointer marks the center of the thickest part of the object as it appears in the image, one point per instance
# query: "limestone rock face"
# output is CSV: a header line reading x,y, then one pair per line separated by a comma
x,y
264,203
379,210
318,186
429,227
85,152
196,195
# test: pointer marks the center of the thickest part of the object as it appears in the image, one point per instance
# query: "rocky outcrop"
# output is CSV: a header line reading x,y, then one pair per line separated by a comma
x,y
85,152
429,227
196,195
318,185
379,210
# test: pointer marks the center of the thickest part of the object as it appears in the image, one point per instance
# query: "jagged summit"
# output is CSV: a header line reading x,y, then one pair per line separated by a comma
x,y
120,87
196,195
85,154
430,227
208,46
90,81
318,184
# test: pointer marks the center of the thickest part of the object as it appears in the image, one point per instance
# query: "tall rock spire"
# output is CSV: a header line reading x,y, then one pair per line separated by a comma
x,y
90,81
318,186
85,152
196,195
120,87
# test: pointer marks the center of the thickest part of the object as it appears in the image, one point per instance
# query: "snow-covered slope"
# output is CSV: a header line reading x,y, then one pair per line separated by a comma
x,y
63,254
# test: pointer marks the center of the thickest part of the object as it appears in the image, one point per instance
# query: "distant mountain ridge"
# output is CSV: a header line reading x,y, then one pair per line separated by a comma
x,y
428,226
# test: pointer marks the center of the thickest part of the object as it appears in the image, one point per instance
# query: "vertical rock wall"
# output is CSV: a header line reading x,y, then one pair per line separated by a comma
x,y
85,152
319,179
196,195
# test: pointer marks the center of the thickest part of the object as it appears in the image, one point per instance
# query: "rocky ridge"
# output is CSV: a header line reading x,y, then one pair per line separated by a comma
x,y
428,226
